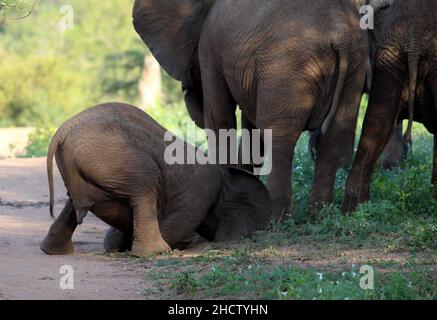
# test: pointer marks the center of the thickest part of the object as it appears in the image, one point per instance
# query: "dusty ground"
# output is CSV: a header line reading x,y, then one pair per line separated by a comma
x,y
26,272
13,141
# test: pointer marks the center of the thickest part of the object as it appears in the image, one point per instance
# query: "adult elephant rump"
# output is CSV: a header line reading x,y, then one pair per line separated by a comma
x,y
290,66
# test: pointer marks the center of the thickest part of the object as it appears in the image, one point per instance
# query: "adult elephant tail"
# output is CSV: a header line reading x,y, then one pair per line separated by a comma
x,y
343,58
413,66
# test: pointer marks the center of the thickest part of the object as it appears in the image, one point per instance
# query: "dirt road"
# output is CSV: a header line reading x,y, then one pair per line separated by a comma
x,y
26,272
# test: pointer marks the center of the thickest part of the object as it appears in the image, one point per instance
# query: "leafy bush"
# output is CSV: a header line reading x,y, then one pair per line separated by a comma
x,y
38,142
40,90
47,76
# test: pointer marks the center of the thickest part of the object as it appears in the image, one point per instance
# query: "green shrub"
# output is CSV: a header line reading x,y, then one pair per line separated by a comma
x,y
40,91
39,142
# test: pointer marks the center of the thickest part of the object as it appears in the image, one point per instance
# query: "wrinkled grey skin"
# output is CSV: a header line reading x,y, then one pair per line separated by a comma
x,y
397,149
289,66
406,57
111,158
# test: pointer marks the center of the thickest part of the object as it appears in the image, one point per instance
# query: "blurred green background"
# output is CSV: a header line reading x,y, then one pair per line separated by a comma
x,y
64,58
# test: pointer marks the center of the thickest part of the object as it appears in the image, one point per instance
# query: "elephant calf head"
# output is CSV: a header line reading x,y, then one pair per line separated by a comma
x,y
243,207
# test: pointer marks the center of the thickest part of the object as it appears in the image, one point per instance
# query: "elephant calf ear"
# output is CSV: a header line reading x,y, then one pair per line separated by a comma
x,y
244,206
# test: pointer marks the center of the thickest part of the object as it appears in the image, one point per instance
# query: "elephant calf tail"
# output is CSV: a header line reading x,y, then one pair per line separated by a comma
x,y
50,155
343,56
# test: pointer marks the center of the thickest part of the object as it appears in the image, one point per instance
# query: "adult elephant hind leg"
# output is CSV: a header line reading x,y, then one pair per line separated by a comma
x,y
250,152
291,114
219,112
378,125
58,240
280,178
337,141
396,150
147,238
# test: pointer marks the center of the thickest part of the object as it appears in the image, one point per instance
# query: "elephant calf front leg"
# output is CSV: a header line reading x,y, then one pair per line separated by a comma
x,y
58,240
147,237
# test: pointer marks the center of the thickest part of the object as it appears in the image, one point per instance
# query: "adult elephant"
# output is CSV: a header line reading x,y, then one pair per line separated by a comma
x,y
396,149
290,66
406,55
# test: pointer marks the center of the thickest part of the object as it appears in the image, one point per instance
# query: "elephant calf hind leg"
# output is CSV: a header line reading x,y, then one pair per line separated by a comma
x,y
147,238
117,241
58,240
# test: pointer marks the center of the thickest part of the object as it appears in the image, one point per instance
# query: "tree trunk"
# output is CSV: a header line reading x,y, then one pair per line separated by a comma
x,y
150,85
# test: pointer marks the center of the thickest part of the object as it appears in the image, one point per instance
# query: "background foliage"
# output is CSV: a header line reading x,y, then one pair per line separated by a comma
x,y
47,75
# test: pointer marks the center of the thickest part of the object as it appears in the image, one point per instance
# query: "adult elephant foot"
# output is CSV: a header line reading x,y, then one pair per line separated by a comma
x,y
315,208
351,202
319,199
52,245
281,211
116,241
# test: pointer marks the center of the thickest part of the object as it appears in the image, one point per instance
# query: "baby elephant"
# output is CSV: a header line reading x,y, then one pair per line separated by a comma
x,y
111,158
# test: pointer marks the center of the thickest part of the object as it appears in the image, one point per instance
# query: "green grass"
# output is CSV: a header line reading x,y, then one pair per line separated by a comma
x,y
395,233
244,274
263,281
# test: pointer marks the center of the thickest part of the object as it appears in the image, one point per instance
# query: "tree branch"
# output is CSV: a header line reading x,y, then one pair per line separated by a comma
x,y
28,12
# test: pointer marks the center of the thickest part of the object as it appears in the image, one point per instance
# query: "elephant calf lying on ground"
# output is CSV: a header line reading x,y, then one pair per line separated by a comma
x,y
111,158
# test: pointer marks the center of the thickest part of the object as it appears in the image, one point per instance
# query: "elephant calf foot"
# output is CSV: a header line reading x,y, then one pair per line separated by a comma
x,y
53,246
116,241
141,249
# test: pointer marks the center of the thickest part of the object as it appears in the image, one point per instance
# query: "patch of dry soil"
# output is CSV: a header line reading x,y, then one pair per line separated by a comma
x,y
26,272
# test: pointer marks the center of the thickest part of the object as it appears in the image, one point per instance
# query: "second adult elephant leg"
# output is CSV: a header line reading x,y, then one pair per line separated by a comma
x,y
58,240
292,111
250,151
379,122
396,150
336,141
280,177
